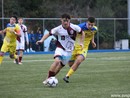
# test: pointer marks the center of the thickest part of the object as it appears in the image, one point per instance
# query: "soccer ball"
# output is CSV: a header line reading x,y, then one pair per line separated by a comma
x,y
52,82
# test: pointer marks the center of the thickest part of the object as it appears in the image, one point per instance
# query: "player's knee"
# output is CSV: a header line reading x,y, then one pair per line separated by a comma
x,y
80,59
2,53
57,61
11,56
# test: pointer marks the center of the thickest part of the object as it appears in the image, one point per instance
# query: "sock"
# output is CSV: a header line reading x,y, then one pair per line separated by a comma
x,y
51,74
70,72
15,56
20,59
1,59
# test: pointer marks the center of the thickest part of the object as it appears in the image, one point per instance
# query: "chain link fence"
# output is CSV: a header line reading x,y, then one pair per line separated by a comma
x,y
111,31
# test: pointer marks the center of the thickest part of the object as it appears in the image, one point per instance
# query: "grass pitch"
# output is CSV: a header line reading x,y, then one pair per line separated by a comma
x,y
101,75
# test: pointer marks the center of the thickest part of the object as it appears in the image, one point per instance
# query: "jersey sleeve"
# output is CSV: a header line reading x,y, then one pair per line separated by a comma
x,y
78,29
53,31
25,29
82,25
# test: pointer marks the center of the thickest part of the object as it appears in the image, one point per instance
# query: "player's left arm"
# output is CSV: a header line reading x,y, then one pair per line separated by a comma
x,y
79,29
93,42
26,35
82,39
27,40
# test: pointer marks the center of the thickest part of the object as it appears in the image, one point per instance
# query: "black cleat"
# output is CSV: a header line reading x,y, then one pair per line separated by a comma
x,y
66,79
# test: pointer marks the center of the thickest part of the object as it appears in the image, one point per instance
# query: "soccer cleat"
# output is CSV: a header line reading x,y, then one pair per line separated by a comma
x,y
45,82
14,61
66,79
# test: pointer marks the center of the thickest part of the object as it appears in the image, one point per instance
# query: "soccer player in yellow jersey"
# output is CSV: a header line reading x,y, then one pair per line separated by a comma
x,y
79,55
12,31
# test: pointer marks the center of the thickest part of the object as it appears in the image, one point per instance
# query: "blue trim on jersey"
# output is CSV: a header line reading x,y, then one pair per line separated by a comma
x,y
9,25
83,26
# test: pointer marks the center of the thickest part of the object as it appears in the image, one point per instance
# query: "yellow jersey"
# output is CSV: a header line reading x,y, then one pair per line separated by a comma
x,y
88,35
10,37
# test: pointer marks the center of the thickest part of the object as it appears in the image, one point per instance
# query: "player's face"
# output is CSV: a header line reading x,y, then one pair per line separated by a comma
x,y
65,22
90,25
12,20
20,21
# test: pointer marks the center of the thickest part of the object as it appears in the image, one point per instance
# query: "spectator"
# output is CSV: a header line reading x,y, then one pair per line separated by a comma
x,y
52,46
32,41
39,36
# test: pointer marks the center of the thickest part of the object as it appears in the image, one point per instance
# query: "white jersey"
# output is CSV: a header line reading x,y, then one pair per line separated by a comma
x,y
21,40
66,37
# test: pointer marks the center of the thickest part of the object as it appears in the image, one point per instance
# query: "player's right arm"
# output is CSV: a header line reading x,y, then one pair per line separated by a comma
x,y
53,31
3,31
43,38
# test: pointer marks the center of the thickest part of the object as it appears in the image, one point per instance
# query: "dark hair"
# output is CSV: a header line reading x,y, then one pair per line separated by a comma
x,y
91,19
66,16
15,18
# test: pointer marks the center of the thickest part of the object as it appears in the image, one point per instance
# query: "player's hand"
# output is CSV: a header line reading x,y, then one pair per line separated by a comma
x,y
82,46
38,42
94,44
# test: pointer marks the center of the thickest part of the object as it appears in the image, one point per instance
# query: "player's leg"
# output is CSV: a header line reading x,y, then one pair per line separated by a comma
x,y
73,57
57,61
17,51
20,48
64,60
1,57
20,56
80,58
58,68
4,49
12,51
52,69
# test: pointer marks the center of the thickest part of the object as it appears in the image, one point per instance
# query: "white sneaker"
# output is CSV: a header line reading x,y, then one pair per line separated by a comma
x,y
20,63
27,50
14,61
45,82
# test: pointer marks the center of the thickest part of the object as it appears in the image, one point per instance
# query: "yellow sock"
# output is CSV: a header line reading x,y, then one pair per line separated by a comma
x,y
1,59
70,72
15,56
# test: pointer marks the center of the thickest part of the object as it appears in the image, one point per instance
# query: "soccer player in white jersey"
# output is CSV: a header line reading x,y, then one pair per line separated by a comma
x,y
66,35
21,40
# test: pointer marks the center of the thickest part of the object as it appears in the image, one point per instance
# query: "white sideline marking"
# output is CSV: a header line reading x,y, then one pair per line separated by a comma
x,y
33,60
37,60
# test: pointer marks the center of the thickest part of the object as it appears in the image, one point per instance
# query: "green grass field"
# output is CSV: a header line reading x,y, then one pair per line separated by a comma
x,y
101,75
